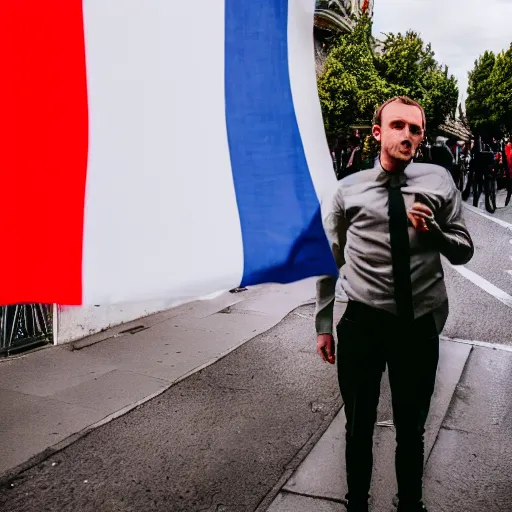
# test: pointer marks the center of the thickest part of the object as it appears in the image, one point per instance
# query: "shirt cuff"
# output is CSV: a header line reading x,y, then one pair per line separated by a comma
x,y
323,322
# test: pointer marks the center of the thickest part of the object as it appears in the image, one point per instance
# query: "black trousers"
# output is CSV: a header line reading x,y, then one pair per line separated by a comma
x,y
368,340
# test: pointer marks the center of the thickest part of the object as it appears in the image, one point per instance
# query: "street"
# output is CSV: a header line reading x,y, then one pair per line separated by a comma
x,y
227,438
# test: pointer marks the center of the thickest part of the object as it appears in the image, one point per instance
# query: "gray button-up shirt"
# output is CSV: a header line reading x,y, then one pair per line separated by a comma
x,y
357,226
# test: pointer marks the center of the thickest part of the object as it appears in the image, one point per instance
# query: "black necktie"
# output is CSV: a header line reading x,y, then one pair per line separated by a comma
x,y
400,251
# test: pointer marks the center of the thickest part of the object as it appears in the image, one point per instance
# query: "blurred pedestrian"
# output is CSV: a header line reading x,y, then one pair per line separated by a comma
x,y
355,160
442,155
508,169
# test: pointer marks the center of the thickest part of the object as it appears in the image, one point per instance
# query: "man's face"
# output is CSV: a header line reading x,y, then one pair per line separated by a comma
x,y
401,131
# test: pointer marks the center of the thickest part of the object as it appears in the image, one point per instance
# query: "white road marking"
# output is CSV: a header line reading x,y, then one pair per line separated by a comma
x,y
502,223
475,278
485,285
484,344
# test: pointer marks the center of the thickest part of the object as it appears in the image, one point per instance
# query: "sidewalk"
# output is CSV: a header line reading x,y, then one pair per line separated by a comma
x,y
53,396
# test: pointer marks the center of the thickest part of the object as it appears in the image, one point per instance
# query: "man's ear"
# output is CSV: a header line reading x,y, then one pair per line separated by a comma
x,y
377,132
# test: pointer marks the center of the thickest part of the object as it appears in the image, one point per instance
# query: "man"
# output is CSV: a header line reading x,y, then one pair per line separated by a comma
x,y
442,154
355,160
483,164
508,170
388,227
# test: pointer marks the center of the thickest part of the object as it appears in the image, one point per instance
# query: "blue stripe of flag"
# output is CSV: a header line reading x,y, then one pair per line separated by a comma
x,y
283,237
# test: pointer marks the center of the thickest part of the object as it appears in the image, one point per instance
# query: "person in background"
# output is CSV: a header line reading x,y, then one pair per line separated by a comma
x,y
334,160
337,156
388,228
508,157
423,153
442,155
355,159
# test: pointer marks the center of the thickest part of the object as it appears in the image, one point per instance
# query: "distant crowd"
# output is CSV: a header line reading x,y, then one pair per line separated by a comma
x,y
467,161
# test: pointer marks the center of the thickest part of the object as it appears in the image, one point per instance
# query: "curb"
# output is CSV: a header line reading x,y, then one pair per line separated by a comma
x,y
294,464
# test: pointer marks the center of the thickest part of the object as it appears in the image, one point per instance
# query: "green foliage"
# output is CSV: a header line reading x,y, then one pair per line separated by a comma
x,y
489,103
356,80
371,149
478,106
501,93
350,86
410,66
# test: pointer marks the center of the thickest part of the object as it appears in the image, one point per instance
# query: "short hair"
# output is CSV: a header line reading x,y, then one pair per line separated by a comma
x,y
401,99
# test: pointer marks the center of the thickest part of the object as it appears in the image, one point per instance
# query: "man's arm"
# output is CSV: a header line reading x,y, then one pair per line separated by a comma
x,y
335,226
448,229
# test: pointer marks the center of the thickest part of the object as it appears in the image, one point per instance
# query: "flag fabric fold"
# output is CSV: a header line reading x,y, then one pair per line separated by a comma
x,y
155,150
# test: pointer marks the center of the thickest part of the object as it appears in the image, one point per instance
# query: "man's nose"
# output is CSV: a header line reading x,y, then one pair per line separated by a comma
x,y
407,133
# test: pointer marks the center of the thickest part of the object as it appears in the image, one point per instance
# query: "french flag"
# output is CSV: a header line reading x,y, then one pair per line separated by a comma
x,y
158,149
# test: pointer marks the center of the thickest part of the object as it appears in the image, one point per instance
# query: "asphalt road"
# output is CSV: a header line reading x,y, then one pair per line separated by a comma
x,y
475,314
220,440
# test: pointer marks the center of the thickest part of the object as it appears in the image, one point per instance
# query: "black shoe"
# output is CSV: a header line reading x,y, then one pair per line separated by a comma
x,y
507,200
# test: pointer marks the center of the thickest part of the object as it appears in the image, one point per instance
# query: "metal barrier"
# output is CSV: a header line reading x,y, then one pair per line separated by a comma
x,y
25,326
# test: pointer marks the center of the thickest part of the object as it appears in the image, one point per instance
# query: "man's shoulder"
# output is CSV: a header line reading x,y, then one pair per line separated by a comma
x,y
359,177
431,176
352,184
420,168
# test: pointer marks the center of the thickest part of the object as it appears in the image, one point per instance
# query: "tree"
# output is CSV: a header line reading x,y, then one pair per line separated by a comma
x,y
350,86
410,68
478,106
500,97
356,80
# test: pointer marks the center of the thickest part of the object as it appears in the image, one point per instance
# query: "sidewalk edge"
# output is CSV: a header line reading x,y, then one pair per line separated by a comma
x,y
429,451
294,464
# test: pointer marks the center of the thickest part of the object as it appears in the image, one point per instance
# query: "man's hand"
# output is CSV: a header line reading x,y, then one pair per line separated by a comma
x,y
325,347
420,216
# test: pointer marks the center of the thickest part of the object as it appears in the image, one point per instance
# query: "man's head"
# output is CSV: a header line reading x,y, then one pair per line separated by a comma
x,y
399,125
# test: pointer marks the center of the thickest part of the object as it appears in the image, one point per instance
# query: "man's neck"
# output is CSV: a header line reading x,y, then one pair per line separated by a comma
x,y
391,164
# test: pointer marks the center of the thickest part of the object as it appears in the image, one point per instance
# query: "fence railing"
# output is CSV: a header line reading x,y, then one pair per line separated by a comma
x,y
25,326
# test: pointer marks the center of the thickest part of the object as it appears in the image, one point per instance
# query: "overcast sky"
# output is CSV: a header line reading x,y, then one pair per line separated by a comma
x,y
459,30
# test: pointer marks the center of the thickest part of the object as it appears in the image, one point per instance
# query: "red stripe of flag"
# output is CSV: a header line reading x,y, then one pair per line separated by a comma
x,y
43,150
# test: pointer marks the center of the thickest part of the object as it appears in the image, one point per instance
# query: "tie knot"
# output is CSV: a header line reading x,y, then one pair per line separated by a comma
x,y
397,180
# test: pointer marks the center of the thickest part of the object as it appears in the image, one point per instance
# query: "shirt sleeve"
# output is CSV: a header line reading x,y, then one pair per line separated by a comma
x,y
335,226
449,230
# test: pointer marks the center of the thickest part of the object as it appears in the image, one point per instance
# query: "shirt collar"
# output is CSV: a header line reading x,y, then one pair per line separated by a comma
x,y
397,179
